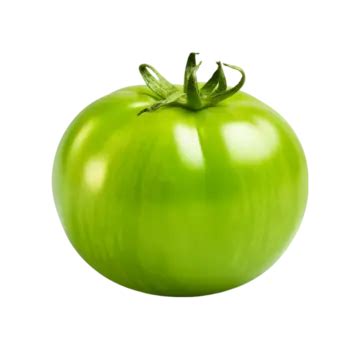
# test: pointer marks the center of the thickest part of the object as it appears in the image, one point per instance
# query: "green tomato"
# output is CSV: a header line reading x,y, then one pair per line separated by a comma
x,y
180,202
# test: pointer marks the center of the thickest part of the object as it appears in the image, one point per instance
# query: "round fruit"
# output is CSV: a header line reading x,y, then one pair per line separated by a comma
x,y
200,193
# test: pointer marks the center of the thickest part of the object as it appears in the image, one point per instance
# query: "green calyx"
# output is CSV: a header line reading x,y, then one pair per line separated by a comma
x,y
192,96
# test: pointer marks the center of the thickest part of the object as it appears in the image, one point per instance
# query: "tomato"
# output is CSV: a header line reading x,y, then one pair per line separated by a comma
x,y
192,197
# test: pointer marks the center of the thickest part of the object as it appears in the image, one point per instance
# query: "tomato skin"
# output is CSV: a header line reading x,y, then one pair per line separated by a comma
x,y
177,202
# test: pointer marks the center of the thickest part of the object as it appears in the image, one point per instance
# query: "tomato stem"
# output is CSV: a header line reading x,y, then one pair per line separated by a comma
x,y
192,97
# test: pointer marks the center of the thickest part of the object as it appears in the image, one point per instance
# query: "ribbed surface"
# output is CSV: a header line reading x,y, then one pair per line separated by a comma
x,y
176,202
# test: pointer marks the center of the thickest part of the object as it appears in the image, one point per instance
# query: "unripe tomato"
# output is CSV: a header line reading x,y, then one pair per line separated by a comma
x,y
181,200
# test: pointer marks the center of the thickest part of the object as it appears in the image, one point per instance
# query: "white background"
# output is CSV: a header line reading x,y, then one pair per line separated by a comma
x,y
301,57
